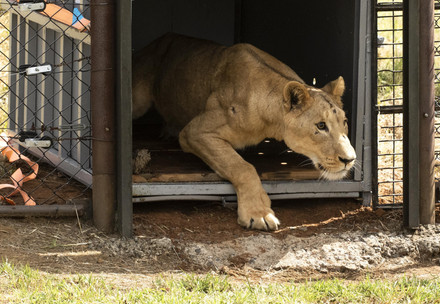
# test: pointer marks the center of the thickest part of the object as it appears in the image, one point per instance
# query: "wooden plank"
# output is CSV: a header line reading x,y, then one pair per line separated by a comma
x,y
294,175
272,160
180,177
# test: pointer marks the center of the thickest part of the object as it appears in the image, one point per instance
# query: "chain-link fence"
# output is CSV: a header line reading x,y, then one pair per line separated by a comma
x,y
45,117
389,106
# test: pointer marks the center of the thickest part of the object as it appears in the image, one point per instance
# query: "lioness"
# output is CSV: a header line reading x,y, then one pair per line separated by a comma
x,y
225,98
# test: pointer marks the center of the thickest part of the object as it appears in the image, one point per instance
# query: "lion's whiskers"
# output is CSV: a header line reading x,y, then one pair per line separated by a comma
x,y
323,175
306,162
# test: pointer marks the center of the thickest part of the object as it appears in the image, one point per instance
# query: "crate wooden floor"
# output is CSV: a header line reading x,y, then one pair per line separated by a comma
x,y
272,159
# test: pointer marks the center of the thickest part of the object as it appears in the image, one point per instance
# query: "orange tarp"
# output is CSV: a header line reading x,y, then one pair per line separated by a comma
x,y
18,178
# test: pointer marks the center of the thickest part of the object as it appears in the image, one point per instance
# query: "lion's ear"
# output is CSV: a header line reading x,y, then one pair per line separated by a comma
x,y
335,87
295,94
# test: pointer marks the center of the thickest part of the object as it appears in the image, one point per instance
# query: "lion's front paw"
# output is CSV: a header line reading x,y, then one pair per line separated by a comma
x,y
260,220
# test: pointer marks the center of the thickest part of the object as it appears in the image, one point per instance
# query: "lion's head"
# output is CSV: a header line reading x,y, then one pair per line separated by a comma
x,y
316,126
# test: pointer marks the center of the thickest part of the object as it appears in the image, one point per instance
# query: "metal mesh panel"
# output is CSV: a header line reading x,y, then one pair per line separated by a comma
x,y
389,110
389,101
45,101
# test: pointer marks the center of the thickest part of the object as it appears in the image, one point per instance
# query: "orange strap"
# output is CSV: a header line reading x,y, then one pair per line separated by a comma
x,y
18,178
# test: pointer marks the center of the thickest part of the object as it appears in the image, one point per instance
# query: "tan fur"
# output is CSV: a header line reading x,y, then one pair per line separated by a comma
x,y
225,98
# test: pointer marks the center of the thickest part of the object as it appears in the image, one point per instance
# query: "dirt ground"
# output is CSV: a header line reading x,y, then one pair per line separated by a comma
x,y
166,231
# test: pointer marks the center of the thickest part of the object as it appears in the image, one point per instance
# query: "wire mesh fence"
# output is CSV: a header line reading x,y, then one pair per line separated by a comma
x,y
45,114
389,106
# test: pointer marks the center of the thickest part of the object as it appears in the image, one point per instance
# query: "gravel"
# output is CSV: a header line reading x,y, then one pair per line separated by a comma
x,y
133,248
348,251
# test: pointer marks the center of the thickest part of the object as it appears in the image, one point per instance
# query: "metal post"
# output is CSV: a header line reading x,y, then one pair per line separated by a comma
x,y
103,112
418,179
123,118
363,98
427,108
411,89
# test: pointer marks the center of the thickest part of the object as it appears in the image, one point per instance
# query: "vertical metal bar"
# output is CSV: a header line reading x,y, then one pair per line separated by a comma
x,y
374,113
21,59
363,97
427,111
48,85
59,93
367,159
411,89
124,127
41,92
103,112
359,50
30,82
66,99
77,96
13,78
86,149
25,98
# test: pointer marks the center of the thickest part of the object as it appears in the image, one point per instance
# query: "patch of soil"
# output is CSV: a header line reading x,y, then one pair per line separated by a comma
x,y
318,239
211,222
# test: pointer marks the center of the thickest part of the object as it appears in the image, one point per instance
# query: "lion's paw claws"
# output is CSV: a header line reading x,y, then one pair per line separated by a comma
x,y
267,223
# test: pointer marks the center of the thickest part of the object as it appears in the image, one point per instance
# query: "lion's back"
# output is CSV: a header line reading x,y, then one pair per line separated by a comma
x,y
184,76
180,71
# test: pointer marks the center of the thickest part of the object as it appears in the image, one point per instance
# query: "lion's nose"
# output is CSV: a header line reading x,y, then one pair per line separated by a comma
x,y
345,160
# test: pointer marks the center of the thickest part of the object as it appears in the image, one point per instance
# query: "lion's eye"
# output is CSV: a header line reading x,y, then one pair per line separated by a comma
x,y
321,125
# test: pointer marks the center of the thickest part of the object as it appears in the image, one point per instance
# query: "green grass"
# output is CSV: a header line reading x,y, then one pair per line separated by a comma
x,y
26,285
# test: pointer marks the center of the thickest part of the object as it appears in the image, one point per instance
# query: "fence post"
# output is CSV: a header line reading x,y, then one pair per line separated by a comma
x,y
103,113
418,105
123,119
427,112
